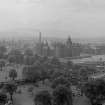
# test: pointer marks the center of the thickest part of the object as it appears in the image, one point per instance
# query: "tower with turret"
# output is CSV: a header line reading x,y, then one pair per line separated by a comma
x,y
69,47
42,47
45,49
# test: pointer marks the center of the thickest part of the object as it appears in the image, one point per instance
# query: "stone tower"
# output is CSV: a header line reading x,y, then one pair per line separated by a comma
x,y
69,47
39,45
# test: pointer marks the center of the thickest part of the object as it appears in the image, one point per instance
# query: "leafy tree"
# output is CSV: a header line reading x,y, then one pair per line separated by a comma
x,y
12,74
43,98
44,74
55,61
60,81
95,91
55,73
3,98
10,88
31,73
62,96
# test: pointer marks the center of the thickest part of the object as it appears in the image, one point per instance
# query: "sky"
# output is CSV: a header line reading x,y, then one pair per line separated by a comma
x,y
78,18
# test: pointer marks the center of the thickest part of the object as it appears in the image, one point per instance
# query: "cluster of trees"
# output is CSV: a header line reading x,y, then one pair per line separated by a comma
x,y
62,95
52,68
7,88
95,91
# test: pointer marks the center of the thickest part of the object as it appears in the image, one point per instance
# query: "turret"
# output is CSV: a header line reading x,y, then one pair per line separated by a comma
x,y
69,42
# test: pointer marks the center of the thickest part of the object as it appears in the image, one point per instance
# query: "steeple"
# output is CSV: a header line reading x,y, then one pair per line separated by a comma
x,y
40,44
40,37
69,42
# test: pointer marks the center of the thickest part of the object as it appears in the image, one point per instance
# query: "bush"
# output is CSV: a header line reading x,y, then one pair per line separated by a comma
x,y
43,97
60,81
95,91
62,95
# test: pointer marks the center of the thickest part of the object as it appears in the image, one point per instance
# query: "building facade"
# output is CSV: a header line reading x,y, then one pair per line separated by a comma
x,y
60,49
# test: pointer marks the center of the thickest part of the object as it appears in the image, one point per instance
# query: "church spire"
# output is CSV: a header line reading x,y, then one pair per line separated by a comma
x,y
40,37
69,41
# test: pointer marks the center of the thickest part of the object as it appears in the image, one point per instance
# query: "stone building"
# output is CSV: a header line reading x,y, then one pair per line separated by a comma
x,y
60,49
42,47
67,49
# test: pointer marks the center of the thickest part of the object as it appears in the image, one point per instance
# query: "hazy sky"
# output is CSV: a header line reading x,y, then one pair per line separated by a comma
x,y
77,17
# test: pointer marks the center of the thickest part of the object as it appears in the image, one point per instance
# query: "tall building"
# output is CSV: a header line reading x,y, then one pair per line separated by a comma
x,y
58,49
45,49
76,49
42,48
67,49
38,47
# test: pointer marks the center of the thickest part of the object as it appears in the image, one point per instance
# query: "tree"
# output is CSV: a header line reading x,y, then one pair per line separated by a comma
x,y
69,64
60,81
43,98
31,73
12,74
10,88
95,91
2,64
55,73
3,98
44,74
55,61
62,96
